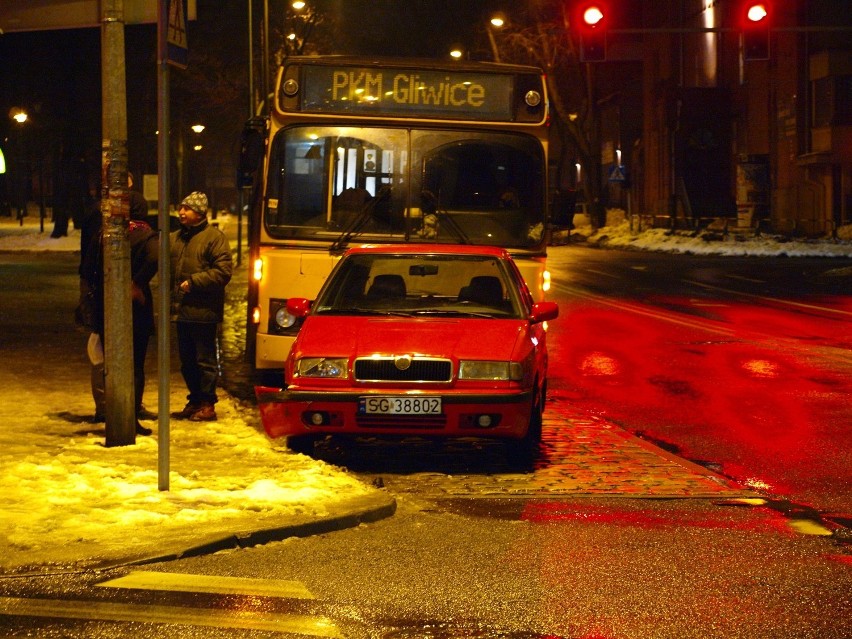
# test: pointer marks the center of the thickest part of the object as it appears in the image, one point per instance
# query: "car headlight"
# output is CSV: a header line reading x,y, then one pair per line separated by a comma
x,y
475,369
328,367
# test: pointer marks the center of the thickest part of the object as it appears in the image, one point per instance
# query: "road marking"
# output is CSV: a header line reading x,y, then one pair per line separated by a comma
x,y
744,278
178,582
777,300
649,312
311,626
604,273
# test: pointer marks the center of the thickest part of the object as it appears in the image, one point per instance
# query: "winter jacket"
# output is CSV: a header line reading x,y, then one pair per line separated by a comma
x,y
144,257
202,255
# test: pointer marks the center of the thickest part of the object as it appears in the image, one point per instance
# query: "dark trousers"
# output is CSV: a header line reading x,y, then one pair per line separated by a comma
x,y
199,362
141,337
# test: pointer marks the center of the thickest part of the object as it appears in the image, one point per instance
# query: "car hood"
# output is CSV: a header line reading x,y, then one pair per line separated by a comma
x,y
457,338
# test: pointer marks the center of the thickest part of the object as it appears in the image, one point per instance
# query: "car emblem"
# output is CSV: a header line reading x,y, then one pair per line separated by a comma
x,y
403,362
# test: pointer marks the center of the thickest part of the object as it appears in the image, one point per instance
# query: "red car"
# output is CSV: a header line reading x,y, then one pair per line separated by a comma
x,y
429,340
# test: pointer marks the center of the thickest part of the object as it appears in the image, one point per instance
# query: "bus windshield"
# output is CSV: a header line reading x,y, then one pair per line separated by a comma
x,y
336,183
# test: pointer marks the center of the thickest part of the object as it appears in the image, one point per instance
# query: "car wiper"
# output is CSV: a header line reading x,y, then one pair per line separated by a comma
x,y
354,227
453,313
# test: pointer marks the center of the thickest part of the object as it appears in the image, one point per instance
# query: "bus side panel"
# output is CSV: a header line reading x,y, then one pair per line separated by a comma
x,y
287,272
535,275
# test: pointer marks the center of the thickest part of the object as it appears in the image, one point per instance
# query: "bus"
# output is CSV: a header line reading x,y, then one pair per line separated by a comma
x,y
365,150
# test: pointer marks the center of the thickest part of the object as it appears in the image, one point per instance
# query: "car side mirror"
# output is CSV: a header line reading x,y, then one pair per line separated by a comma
x,y
298,307
544,311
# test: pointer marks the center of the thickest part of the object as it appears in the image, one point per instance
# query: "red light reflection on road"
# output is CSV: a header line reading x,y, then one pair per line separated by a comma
x,y
760,401
763,519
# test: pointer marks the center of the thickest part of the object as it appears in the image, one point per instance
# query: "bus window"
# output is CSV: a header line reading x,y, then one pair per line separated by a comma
x,y
490,184
327,176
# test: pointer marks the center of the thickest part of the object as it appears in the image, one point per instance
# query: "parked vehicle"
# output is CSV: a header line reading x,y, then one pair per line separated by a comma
x,y
431,340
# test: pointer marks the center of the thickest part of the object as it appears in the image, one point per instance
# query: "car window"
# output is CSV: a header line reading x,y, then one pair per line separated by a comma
x,y
421,284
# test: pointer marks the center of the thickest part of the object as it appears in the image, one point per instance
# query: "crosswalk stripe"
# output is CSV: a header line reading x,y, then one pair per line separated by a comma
x,y
178,582
312,626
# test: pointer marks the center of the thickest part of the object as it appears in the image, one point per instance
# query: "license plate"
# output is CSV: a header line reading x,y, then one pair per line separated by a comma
x,y
400,405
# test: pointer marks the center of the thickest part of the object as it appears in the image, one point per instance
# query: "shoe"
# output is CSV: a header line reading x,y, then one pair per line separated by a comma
x,y
141,430
144,413
187,411
205,413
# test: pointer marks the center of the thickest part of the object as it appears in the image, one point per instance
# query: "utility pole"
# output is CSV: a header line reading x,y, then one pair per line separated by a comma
x,y
115,209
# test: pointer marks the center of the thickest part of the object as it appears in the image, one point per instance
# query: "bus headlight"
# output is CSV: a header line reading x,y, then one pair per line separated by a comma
x,y
280,321
283,318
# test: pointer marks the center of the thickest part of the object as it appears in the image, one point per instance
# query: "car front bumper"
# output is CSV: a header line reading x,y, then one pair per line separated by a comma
x,y
286,413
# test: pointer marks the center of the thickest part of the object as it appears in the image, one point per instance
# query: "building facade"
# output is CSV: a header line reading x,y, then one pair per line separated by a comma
x,y
762,142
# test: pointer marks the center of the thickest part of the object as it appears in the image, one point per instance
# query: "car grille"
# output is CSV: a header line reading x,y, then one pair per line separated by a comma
x,y
385,369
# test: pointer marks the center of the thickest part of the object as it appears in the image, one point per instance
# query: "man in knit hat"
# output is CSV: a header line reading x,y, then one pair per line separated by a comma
x,y
201,268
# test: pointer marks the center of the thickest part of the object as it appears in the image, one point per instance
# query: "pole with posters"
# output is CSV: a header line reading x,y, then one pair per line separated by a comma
x,y
171,49
120,400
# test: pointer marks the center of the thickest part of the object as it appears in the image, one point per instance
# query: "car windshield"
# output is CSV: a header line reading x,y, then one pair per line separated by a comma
x,y
417,285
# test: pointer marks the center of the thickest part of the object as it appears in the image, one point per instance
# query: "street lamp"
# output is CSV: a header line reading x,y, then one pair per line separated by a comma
x,y
498,21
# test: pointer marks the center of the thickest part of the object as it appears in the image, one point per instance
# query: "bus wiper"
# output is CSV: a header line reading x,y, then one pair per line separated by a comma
x,y
354,227
427,197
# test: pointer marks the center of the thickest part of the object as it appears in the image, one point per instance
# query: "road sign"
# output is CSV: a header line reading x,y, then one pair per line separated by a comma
x,y
618,173
176,45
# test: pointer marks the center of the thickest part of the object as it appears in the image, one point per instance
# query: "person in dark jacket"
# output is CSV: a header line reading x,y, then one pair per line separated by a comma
x,y
201,268
144,257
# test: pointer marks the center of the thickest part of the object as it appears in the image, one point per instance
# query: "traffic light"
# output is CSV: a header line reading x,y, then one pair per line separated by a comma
x,y
592,27
755,26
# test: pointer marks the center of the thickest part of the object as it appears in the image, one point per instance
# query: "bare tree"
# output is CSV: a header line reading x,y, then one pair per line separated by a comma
x,y
540,35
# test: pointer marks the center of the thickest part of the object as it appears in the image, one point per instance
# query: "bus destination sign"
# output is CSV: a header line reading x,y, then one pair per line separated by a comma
x,y
407,93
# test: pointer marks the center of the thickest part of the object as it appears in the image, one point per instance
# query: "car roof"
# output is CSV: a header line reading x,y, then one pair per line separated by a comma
x,y
437,249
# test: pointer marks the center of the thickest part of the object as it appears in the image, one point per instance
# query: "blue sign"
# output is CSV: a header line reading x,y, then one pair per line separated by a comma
x,y
177,50
618,173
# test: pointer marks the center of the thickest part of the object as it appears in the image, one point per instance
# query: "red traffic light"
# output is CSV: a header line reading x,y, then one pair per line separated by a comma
x,y
756,12
590,18
593,15
755,30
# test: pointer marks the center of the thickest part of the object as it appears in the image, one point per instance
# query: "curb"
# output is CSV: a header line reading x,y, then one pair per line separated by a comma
x,y
371,511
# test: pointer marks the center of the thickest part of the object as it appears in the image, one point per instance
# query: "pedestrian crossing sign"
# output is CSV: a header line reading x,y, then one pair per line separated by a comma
x,y
618,173
177,48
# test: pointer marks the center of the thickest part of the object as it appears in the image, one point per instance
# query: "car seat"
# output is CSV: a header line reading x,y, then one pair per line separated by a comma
x,y
387,286
483,289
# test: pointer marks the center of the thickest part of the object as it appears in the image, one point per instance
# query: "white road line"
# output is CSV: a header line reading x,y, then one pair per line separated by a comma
x,y
744,278
777,300
311,626
179,582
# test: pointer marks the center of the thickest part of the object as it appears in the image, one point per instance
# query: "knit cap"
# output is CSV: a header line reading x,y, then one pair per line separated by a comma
x,y
196,201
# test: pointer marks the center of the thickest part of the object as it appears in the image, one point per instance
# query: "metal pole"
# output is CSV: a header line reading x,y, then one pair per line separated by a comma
x,y
120,405
164,272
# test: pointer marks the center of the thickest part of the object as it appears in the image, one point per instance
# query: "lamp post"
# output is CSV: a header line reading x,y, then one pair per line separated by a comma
x,y
20,163
498,21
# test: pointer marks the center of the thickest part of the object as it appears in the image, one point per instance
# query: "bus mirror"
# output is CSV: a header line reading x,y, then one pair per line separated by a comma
x,y
252,148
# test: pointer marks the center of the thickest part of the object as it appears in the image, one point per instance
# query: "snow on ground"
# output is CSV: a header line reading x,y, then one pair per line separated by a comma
x,y
67,499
